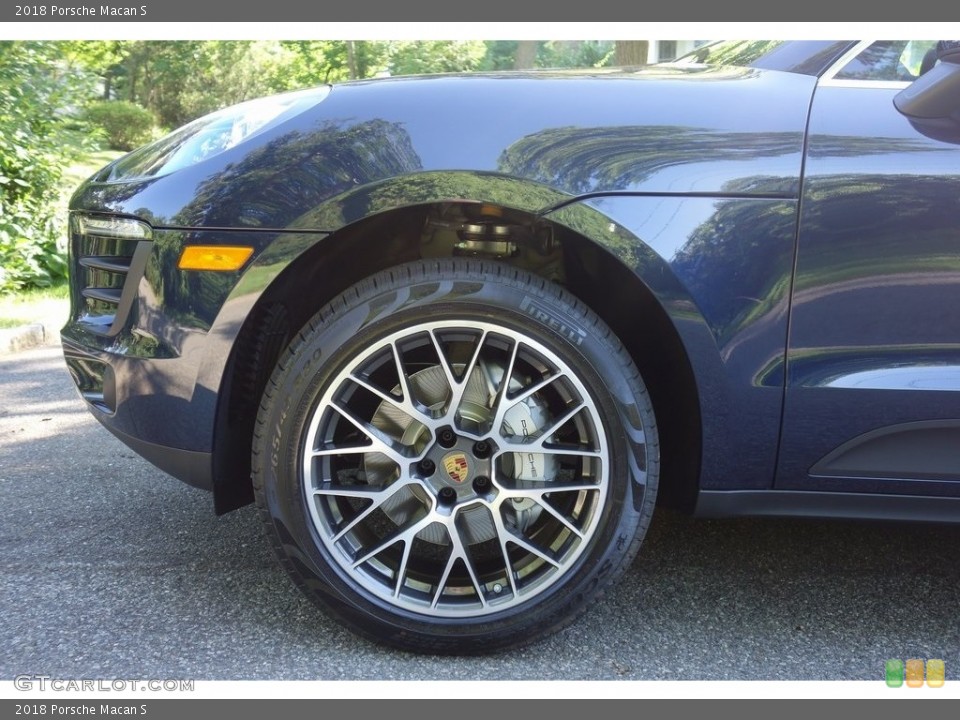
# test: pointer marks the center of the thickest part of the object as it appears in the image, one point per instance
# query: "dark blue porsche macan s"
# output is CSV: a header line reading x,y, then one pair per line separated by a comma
x,y
458,335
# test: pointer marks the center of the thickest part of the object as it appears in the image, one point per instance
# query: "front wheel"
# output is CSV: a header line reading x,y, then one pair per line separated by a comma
x,y
455,457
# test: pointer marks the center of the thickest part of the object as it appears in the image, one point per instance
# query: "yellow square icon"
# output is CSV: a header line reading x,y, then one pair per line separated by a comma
x,y
936,673
914,673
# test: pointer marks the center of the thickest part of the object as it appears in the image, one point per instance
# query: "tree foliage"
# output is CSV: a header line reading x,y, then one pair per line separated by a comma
x,y
420,57
125,124
38,99
181,80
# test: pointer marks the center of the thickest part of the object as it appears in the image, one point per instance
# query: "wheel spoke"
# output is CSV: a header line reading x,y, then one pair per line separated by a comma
x,y
458,551
354,491
403,534
379,441
444,576
447,370
546,487
457,387
348,450
500,402
553,449
533,389
508,536
560,517
540,447
402,569
378,496
546,432
507,565
405,406
533,549
402,377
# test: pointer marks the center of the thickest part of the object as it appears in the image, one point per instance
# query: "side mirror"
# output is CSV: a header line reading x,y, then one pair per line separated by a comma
x,y
935,95
948,51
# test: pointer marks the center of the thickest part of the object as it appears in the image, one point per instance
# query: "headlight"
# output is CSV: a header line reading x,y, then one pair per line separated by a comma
x,y
113,227
212,134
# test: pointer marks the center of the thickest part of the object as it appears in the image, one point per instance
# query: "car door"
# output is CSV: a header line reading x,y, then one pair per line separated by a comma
x,y
873,363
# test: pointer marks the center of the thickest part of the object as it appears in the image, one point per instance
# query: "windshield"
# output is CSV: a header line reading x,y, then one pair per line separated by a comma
x,y
807,57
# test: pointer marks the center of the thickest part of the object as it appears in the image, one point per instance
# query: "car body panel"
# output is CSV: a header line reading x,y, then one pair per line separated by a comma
x,y
167,360
730,313
609,134
874,330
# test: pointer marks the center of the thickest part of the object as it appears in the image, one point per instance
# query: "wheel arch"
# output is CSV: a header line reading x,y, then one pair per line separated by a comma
x,y
619,277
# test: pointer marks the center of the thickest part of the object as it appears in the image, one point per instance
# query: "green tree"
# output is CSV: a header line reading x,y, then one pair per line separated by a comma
x,y
179,81
311,62
38,96
435,56
99,57
500,55
575,53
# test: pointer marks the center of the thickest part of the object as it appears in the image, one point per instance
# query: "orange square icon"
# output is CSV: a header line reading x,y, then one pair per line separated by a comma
x,y
935,673
914,673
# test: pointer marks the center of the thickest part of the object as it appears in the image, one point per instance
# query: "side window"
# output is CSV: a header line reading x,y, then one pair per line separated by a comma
x,y
888,60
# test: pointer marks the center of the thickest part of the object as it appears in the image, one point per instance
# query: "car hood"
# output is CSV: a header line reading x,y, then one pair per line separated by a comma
x,y
664,130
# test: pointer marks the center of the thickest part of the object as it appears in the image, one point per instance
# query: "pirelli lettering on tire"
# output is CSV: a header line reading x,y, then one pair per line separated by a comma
x,y
546,316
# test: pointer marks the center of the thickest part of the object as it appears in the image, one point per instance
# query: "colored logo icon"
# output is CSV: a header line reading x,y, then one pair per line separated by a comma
x,y
896,672
914,673
893,671
936,673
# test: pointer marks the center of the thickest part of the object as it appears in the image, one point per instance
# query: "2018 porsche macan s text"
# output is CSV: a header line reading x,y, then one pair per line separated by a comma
x,y
457,335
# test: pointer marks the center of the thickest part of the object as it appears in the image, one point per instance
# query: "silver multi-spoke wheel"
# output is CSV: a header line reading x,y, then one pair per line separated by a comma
x,y
455,457
455,468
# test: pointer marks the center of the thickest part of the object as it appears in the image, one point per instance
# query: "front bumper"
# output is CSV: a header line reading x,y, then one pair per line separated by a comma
x,y
147,343
127,396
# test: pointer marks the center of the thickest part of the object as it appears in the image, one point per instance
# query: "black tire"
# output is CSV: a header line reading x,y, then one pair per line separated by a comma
x,y
419,488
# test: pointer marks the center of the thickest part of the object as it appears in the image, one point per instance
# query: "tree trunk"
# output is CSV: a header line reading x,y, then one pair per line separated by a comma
x,y
630,53
352,59
526,56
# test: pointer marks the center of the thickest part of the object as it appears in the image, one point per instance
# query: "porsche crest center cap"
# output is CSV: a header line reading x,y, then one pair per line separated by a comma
x,y
456,466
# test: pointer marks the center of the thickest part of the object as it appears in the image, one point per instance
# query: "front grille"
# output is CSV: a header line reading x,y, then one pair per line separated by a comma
x,y
106,272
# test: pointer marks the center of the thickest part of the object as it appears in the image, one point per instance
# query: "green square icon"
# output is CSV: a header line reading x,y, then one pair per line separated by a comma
x,y
893,670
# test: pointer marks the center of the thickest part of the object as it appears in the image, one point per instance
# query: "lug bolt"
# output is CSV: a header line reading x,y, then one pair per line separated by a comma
x,y
427,467
481,449
447,438
481,484
448,495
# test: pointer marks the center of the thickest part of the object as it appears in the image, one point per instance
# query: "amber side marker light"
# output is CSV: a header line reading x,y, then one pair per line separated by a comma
x,y
223,258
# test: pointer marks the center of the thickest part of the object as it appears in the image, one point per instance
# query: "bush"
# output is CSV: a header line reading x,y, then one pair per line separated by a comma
x,y
126,124
36,94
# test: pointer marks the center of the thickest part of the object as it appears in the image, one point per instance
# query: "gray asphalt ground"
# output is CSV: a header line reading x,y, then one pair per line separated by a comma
x,y
111,569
